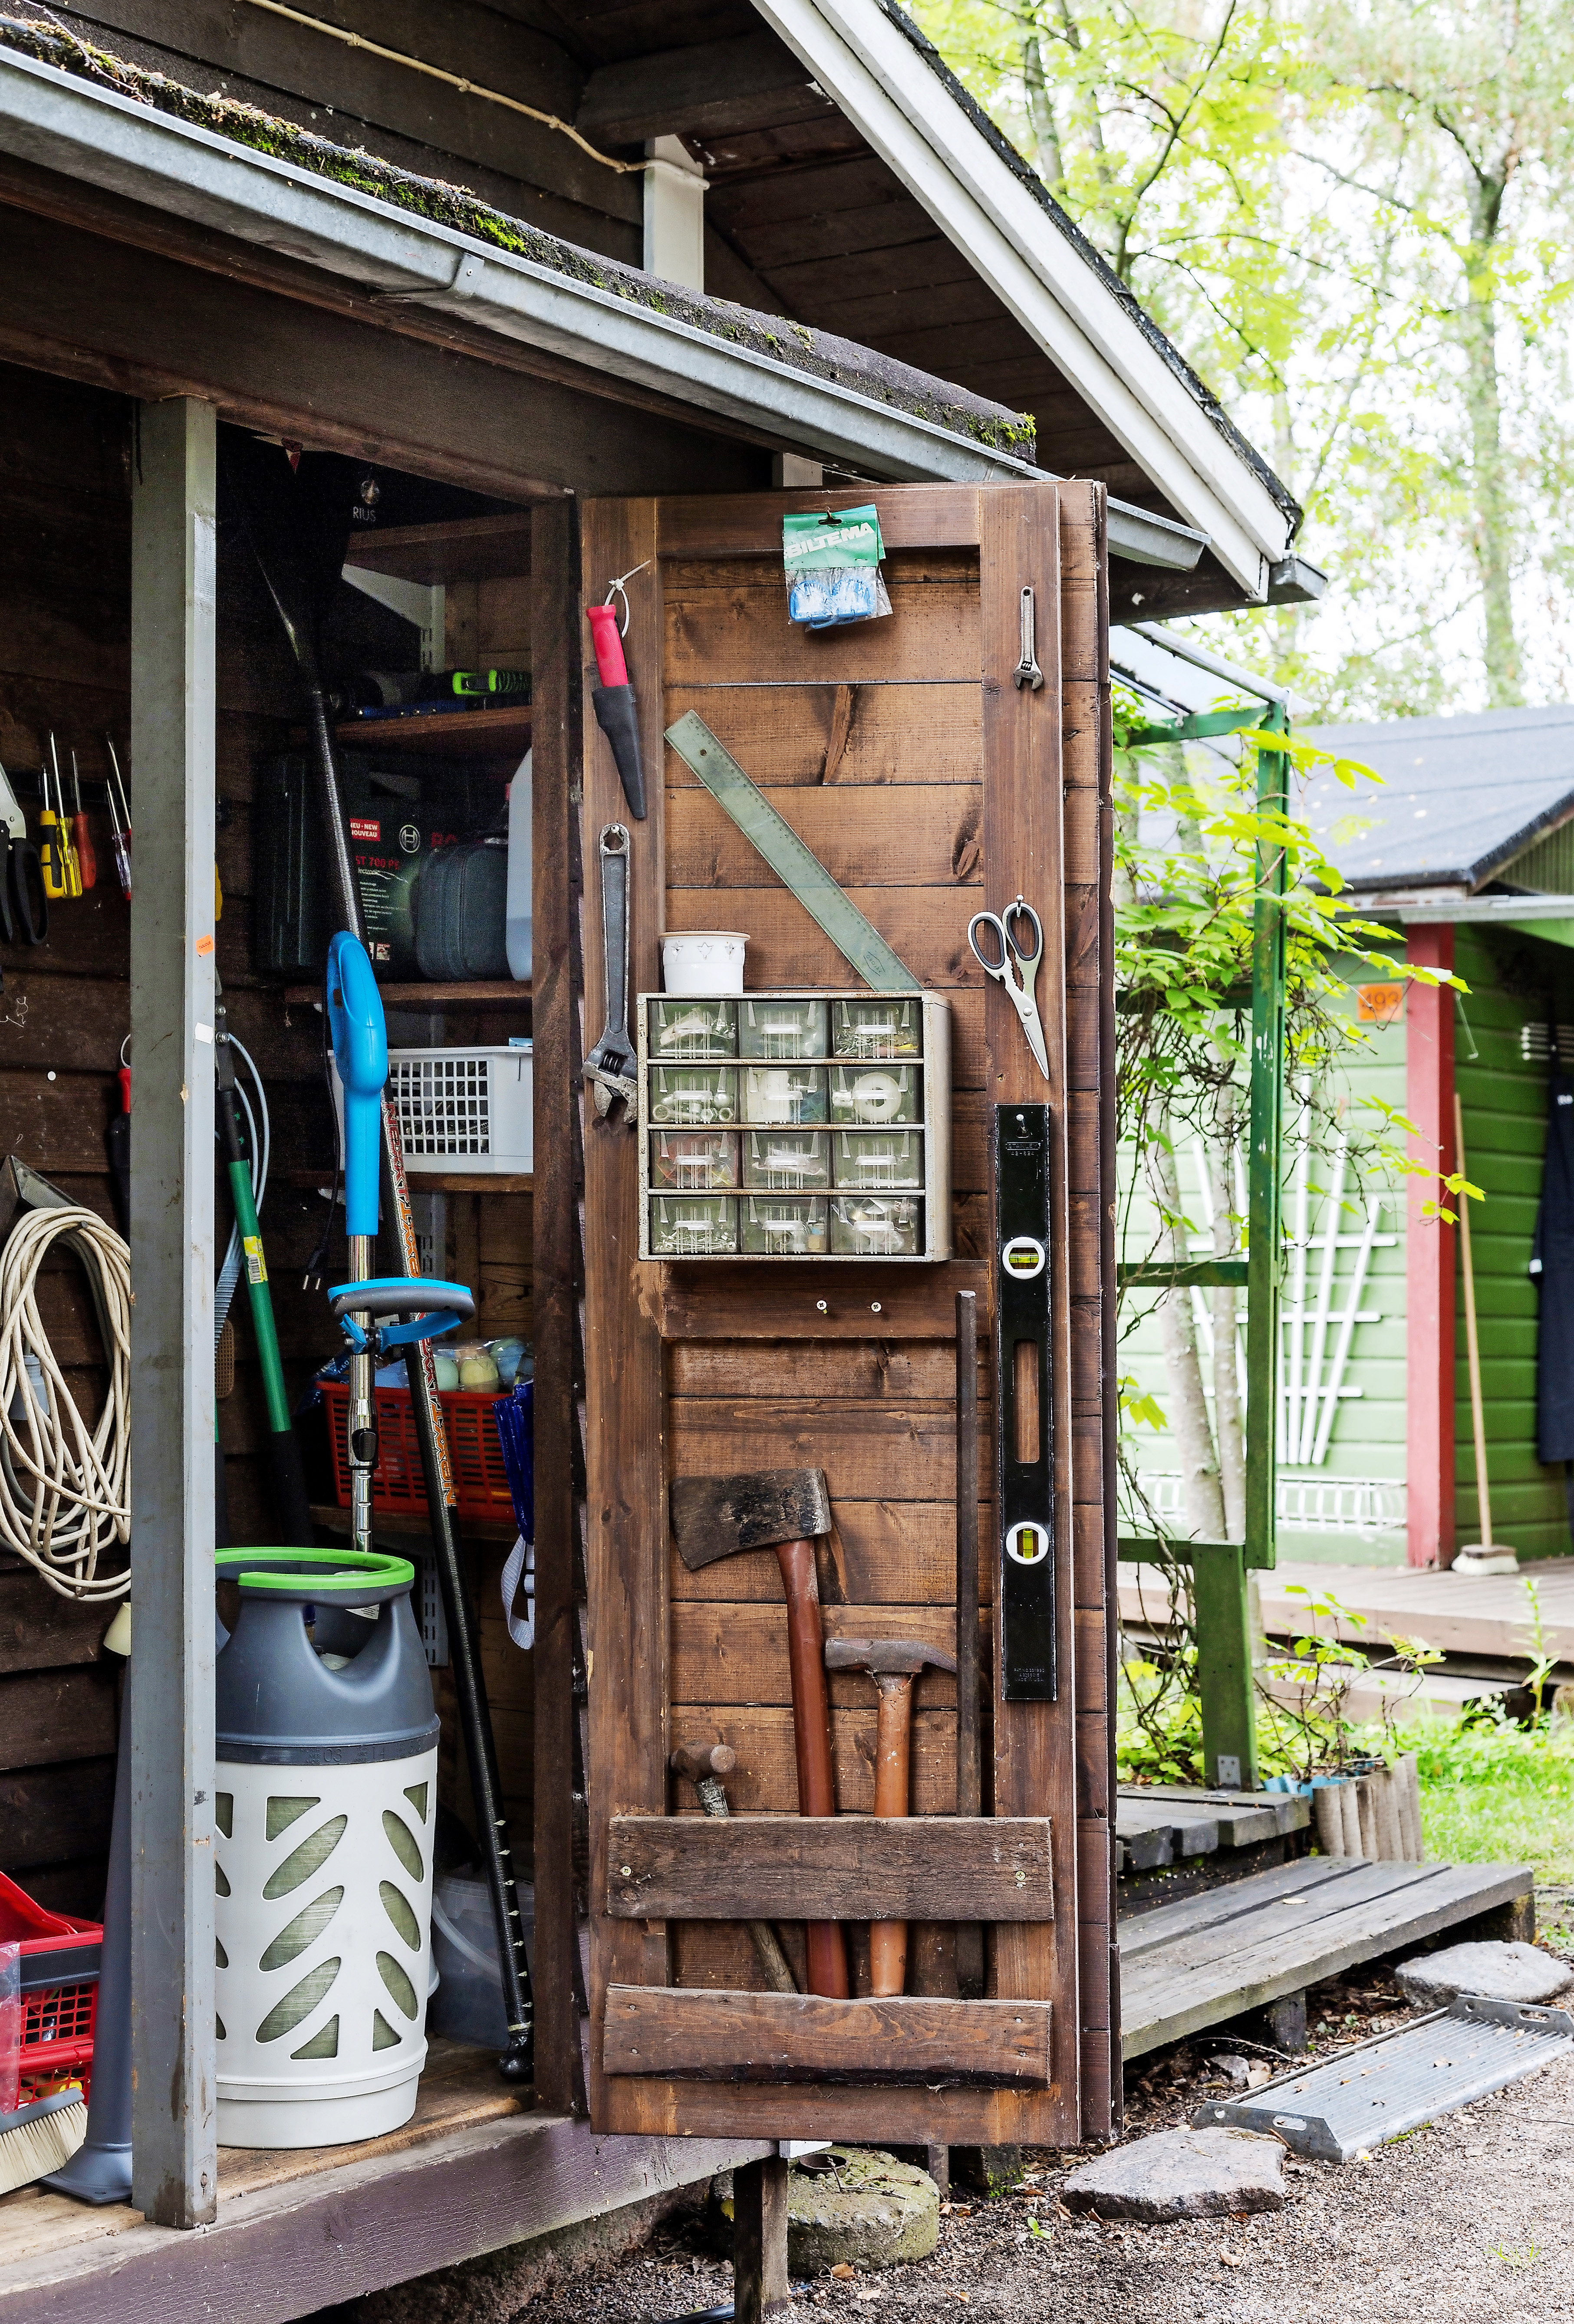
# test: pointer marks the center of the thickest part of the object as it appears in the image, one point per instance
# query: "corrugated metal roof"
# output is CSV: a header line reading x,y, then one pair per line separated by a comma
x,y
1460,798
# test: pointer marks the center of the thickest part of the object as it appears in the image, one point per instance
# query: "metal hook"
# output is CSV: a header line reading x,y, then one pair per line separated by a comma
x,y
616,589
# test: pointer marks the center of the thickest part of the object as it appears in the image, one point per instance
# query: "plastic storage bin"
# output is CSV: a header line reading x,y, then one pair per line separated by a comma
x,y
481,1478
59,1993
468,2006
468,1110
325,1801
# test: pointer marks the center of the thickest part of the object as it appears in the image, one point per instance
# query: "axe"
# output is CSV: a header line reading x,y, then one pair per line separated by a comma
x,y
892,1664
781,1509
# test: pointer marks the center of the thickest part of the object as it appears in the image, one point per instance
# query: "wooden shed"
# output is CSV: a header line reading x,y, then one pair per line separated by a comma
x,y
576,299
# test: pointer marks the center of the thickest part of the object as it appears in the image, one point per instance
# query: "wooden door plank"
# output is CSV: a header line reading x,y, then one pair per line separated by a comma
x,y
765,1779
863,1446
1090,1080
841,1868
1034,1745
924,838
815,1303
787,2037
899,734
878,1553
887,1371
626,1548
749,524
723,1653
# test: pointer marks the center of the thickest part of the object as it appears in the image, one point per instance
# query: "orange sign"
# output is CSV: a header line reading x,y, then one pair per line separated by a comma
x,y
1378,1004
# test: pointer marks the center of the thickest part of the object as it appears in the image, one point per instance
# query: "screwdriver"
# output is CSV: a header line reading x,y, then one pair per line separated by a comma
x,y
87,861
70,870
122,822
50,861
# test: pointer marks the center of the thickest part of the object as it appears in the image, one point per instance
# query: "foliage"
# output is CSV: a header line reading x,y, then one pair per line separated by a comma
x,y
1354,221
1494,1792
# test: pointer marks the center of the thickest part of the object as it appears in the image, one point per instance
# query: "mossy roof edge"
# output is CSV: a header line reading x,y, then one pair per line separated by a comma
x,y
819,354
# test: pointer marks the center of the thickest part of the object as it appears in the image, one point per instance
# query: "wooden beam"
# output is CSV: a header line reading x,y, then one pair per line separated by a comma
x,y
844,1867
164,309
174,492
694,92
1429,1254
686,2035
759,2240
556,770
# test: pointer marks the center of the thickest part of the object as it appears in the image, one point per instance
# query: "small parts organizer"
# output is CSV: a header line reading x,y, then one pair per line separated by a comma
x,y
795,1125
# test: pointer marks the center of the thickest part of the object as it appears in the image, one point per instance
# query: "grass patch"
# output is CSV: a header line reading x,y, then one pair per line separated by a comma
x,y
1492,1792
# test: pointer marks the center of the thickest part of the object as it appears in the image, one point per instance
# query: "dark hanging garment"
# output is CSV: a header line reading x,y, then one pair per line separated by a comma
x,y
1552,1265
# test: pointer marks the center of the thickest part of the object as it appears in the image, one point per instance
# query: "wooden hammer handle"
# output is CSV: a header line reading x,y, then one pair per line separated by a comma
x,y
892,1761
827,1947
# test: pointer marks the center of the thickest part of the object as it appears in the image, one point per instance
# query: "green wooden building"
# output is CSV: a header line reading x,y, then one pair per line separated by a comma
x,y
1468,859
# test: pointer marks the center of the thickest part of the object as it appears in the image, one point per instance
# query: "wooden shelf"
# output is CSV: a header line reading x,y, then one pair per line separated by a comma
x,y
439,734
398,1526
495,993
436,1182
467,548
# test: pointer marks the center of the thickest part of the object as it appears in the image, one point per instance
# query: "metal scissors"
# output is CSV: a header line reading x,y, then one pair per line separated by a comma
x,y
1017,968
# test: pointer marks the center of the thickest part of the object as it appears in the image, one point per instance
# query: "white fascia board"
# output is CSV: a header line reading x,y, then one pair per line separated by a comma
x,y
101,138
883,85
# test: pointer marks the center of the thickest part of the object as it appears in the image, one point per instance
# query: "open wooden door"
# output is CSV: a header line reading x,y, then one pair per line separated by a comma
x,y
931,786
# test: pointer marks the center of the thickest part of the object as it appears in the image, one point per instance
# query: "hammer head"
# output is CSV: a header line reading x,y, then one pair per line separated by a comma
x,y
713,1517
699,1760
899,1657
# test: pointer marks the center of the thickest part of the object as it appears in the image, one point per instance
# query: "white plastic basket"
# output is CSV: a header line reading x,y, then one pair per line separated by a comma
x,y
464,1109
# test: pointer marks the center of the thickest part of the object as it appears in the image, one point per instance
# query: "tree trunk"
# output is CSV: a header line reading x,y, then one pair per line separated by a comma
x,y
1492,538
1199,1481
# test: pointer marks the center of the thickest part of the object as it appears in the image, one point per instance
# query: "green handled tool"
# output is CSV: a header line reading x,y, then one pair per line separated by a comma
x,y
291,1506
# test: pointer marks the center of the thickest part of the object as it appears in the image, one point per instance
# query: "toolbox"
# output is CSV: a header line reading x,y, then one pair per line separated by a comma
x,y
795,1125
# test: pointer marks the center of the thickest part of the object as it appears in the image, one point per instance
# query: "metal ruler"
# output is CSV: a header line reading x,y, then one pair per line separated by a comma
x,y
1024,1454
860,944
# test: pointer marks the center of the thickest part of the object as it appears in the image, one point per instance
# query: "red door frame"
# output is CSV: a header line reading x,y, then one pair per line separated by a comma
x,y
1429,1253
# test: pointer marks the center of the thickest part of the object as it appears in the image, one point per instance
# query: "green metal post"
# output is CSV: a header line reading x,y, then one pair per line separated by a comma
x,y
1223,1629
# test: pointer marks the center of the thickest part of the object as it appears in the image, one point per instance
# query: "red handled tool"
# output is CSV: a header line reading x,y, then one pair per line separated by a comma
x,y
613,701
81,837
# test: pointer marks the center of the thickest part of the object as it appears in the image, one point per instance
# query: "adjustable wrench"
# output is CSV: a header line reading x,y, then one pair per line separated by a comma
x,y
610,1067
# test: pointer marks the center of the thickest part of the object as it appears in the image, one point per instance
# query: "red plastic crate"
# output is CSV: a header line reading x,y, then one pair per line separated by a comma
x,y
60,1992
481,1478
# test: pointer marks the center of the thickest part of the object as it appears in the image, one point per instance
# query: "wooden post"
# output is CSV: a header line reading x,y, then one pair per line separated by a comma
x,y
759,2239
173,474
556,744
1429,1254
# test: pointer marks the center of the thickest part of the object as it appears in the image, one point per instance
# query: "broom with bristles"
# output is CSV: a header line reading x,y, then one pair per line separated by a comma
x,y
39,2137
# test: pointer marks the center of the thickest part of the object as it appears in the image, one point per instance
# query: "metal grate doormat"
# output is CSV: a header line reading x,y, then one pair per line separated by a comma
x,y
1396,2081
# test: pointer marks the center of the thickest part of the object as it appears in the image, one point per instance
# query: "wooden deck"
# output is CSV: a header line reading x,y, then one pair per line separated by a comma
x,y
1483,1614
1211,1957
470,2172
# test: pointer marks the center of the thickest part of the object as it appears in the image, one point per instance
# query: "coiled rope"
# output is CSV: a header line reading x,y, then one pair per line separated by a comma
x,y
65,1490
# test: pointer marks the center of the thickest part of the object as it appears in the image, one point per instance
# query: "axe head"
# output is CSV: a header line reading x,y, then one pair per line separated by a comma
x,y
712,1516
904,1658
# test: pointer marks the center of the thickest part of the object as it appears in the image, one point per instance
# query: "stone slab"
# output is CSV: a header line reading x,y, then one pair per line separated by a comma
x,y
1499,1972
851,2206
1182,2174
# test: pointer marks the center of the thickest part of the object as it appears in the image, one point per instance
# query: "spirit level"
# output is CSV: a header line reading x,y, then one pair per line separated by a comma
x,y
1024,1455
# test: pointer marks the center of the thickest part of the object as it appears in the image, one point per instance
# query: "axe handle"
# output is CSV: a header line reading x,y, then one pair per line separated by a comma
x,y
827,1947
892,1761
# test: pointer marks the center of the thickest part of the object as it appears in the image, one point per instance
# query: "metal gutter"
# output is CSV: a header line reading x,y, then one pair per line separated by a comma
x,y
59,122
883,85
1455,910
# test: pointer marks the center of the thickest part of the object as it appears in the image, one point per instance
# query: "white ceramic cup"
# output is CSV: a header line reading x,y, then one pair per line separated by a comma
x,y
708,961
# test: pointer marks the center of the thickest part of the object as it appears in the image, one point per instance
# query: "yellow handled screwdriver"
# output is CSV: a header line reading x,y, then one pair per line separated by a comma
x,y
51,861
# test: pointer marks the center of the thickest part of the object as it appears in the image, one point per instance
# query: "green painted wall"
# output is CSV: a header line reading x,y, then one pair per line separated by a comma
x,y
1513,979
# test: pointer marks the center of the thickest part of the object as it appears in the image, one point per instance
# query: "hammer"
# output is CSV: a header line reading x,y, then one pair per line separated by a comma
x,y
705,1764
892,1664
781,1509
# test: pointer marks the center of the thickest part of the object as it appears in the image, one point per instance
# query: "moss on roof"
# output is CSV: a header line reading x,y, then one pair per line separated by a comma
x,y
818,354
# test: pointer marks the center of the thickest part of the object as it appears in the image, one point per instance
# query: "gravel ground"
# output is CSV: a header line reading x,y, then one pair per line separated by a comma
x,y
1472,2217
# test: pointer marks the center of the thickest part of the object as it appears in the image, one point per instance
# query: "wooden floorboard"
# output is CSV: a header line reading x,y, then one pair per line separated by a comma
x,y
1238,1948
1459,1614
298,2231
